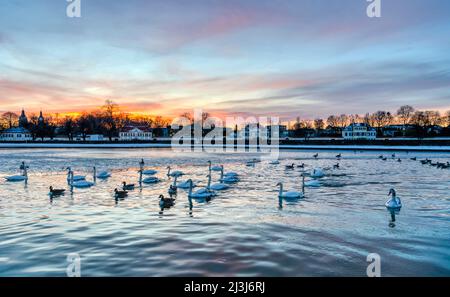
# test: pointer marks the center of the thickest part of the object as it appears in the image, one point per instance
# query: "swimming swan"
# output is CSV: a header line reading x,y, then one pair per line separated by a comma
x,y
70,175
103,174
290,194
394,202
317,173
173,173
18,178
146,172
80,183
201,194
218,186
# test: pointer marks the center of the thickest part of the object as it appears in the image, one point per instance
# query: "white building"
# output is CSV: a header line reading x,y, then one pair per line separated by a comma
x,y
359,131
94,137
131,133
16,134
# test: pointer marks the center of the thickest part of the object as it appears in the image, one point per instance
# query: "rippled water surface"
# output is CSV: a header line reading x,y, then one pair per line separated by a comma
x,y
242,232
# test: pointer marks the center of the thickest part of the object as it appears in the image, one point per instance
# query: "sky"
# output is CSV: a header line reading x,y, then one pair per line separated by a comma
x,y
286,58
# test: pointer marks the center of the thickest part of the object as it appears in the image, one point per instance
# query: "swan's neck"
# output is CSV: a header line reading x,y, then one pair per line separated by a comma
x,y
190,189
168,171
303,183
281,190
221,174
209,182
175,181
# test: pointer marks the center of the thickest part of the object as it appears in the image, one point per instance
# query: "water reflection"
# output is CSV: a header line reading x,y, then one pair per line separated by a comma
x,y
241,226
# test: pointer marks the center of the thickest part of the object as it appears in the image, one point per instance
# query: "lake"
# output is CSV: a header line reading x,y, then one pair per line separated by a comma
x,y
244,231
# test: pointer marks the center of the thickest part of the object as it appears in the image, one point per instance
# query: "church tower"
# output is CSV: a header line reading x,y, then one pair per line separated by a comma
x,y
23,121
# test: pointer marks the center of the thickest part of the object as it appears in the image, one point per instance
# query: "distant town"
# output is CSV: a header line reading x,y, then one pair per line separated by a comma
x,y
108,124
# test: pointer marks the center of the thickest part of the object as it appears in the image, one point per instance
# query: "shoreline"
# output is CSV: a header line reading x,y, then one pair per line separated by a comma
x,y
365,147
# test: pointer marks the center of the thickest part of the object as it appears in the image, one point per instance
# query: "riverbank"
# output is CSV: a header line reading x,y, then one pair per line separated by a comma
x,y
365,147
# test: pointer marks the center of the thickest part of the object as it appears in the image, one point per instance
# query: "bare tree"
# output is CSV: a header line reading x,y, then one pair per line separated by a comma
x,y
319,124
405,113
433,117
333,121
11,118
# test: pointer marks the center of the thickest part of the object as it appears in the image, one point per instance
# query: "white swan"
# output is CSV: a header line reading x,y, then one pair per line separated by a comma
x,y
229,174
71,176
213,168
218,186
173,187
150,180
80,183
228,179
19,178
146,172
174,173
101,175
207,189
313,183
149,172
201,194
394,202
290,194
317,173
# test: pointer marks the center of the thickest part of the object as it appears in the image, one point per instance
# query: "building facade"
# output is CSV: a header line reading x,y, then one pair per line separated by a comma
x,y
359,131
16,134
131,133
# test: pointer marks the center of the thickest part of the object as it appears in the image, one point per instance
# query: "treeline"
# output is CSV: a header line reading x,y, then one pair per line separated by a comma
x,y
416,123
107,121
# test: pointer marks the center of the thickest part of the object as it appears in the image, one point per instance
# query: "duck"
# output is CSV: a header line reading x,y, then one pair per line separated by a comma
x,y
414,159
338,156
290,166
336,166
316,155
393,156
173,173
394,202
384,158
166,202
70,175
120,194
380,157
56,192
201,194
301,165
399,160
317,173
126,186
290,194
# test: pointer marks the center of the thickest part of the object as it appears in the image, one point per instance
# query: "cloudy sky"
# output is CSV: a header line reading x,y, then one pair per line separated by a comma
x,y
285,58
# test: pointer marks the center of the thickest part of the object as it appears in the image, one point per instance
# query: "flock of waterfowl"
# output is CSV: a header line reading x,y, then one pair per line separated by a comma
x,y
226,180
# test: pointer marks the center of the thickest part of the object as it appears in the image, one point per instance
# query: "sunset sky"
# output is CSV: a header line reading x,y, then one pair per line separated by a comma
x,y
287,58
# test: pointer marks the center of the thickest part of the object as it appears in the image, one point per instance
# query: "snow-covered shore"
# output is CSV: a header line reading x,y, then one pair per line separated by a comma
x,y
168,145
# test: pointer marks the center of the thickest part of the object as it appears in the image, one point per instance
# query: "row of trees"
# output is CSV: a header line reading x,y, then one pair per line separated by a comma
x,y
108,121
416,120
